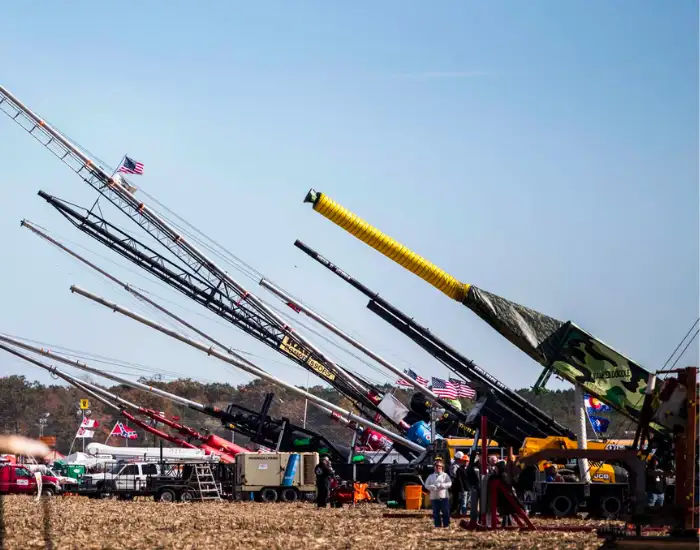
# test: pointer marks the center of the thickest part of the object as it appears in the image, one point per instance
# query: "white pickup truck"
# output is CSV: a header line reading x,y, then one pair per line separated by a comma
x,y
124,480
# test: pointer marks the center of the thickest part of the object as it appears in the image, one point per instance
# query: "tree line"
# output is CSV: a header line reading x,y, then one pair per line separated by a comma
x,y
23,403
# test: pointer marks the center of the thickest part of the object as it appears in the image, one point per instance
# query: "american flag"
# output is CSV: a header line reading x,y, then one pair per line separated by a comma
x,y
402,382
130,166
463,389
446,390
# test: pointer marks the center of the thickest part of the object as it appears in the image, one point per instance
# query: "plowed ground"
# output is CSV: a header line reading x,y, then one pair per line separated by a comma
x,y
81,523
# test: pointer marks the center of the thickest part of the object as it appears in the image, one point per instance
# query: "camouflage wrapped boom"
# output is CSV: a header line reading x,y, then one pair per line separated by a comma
x,y
561,346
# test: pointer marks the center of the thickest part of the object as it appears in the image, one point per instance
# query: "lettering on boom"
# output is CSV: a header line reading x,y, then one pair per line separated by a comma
x,y
292,348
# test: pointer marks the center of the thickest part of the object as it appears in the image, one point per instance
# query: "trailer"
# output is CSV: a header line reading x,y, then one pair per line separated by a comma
x,y
269,477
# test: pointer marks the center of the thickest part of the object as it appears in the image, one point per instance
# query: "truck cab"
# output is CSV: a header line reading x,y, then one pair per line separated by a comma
x,y
604,496
126,480
16,479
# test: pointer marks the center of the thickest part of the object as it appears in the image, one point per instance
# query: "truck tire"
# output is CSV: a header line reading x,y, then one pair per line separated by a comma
x,y
166,495
187,496
610,506
105,488
268,494
48,492
563,505
289,494
382,495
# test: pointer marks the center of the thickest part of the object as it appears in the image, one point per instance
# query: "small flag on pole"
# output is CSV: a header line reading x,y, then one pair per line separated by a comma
x,y
120,430
403,382
600,424
130,166
446,390
463,389
595,405
87,428
84,433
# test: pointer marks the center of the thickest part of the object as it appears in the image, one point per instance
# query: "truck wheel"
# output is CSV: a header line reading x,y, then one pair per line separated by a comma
x,y
382,496
105,488
563,505
289,494
48,492
610,506
167,495
268,494
187,496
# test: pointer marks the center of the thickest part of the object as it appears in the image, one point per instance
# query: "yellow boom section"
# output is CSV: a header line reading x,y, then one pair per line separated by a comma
x,y
392,249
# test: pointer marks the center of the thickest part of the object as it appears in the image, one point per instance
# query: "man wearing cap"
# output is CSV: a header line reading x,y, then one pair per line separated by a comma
x,y
461,484
439,483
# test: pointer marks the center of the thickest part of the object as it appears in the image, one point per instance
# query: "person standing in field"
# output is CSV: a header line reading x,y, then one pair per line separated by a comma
x,y
656,484
474,482
439,483
323,472
461,485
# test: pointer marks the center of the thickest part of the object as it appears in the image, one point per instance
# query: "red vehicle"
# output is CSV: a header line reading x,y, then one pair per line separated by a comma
x,y
15,479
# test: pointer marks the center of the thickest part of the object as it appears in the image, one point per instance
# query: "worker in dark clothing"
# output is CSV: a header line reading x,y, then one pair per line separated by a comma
x,y
460,485
474,482
503,504
656,484
324,472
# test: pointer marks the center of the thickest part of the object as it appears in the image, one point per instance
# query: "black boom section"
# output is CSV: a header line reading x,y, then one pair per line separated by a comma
x,y
517,417
205,293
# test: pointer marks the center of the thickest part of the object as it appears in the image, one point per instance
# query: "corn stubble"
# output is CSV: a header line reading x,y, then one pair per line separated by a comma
x,y
78,522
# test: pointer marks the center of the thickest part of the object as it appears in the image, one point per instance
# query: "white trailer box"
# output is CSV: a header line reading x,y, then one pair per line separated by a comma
x,y
261,475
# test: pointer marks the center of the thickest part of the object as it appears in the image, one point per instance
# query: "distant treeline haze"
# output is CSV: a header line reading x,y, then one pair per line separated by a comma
x,y
22,403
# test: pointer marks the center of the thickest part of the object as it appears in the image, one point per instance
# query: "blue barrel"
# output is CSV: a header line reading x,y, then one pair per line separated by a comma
x,y
291,471
419,433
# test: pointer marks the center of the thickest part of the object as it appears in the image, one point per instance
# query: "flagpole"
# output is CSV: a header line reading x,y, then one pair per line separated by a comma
x,y
110,434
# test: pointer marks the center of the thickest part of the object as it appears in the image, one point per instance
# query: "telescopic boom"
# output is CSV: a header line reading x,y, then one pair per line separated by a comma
x,y
559,346
250,368
506,408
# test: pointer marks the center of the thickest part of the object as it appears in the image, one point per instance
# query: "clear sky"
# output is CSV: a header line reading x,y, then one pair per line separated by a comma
x,y
545,151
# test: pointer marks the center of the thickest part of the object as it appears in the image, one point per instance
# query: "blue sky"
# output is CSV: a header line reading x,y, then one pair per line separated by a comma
x,y
547,152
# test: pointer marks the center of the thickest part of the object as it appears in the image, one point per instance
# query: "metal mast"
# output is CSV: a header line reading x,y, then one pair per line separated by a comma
x,y
259,428
516,414
248,367
247,308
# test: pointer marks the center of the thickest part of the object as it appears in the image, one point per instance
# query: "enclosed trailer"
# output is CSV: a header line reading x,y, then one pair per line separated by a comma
x,y
276,476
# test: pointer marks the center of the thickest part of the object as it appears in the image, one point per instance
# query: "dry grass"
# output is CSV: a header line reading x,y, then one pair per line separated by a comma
x,y
81,523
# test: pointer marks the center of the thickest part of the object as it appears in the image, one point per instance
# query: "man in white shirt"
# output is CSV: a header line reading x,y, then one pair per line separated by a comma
x,y
439,483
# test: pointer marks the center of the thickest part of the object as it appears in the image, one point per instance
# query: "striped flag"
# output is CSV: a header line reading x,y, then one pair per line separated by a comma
x,y
446,390
463,389
402,382
130,166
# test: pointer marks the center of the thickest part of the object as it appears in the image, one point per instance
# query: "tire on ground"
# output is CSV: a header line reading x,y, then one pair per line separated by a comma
x,y
289,494
187,496
610,506
563,505
268,494
166,495
382,495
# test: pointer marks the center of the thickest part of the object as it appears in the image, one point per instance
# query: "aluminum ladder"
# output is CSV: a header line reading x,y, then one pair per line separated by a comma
x,y
206,484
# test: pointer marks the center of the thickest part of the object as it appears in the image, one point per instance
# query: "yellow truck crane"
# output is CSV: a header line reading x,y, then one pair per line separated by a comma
x,y
609,483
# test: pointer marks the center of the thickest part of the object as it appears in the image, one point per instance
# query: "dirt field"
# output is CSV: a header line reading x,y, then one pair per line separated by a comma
x,y
81,523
